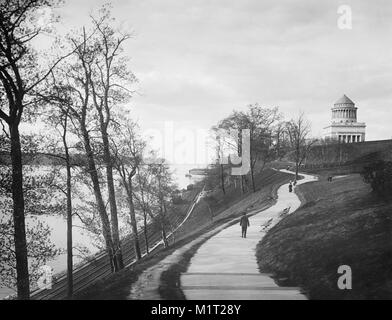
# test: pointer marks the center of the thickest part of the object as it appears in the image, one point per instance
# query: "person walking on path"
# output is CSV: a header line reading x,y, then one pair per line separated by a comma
x,y
244,223
291,187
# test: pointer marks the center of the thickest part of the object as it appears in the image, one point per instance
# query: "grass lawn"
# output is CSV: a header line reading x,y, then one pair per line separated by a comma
x,y
340,223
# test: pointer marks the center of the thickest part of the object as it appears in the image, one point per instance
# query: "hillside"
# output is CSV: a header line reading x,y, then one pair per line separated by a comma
x,y
340,223
224,208
345,158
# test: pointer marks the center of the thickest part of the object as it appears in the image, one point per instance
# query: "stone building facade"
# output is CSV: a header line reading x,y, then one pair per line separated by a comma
x,y
344,125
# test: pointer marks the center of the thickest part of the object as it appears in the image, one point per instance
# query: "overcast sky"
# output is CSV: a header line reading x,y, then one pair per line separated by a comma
x,y
197,60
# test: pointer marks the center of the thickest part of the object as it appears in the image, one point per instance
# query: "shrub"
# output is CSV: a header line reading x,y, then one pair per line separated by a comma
x,y
379,176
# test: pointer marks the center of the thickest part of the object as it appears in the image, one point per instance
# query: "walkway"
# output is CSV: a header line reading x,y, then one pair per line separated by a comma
x,y
225,266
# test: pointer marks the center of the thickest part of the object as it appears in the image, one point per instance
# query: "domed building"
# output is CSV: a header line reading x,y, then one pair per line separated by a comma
x,y
344,126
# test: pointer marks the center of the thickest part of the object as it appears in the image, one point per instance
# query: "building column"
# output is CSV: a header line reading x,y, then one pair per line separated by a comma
x,y
349,139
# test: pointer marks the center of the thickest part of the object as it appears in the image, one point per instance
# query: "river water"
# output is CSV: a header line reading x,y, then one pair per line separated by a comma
x,y
58,226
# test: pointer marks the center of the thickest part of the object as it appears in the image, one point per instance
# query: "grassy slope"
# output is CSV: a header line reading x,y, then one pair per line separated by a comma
x,y
340,223
233,202
117,286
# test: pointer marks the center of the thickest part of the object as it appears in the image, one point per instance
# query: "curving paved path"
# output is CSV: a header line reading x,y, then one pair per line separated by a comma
x,y
225,266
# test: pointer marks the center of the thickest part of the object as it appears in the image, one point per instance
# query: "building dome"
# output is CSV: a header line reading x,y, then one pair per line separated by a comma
x,y
344,100
344,110
344,126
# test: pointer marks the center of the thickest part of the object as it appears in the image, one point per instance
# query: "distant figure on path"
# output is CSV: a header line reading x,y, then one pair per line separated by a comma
x,y
244,223
291,187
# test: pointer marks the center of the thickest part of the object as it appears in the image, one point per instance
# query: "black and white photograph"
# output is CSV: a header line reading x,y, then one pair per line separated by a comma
x,y
213,151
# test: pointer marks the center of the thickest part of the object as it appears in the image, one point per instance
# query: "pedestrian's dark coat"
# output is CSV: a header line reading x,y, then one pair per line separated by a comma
x,y
244,222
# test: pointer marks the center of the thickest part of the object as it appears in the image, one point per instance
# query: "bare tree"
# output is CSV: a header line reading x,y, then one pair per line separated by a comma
x,y
40,199
219,148
282,143
142,201
77,77
229,142
146,197
128,153
59,117
109,79
299,135
20,77
162,187
260,123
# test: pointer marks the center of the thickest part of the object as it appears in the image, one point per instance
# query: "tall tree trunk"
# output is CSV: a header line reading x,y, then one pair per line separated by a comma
x,y
163,218
252,175
253,179
242,185
69,236
145,231
112,196
161,213
136,243
144,214
98,197
22,267
163,234
69,220
239,151
222,179
297,161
